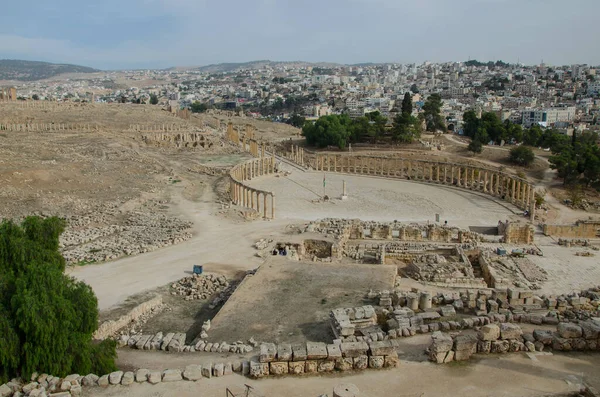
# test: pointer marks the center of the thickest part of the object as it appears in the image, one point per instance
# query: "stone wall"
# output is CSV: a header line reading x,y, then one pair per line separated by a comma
x,y
111,327
317,357
581,229
515,233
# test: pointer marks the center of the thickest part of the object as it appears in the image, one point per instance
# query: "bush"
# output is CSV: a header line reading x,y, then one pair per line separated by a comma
x,y
521,155
475,146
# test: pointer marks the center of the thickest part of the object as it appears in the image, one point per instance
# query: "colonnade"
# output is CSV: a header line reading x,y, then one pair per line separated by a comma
x,y
47,127
249,197
510,188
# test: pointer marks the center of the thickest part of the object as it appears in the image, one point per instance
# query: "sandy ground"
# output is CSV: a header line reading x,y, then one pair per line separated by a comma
x,y
270,306
379,199
510,375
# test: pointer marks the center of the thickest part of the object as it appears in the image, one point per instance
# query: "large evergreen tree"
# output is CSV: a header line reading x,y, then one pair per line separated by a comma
x,y
46,318
407,106
431,110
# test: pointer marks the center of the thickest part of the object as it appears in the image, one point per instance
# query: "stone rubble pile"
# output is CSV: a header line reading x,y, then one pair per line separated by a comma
x,y
110,234
176,342
200,286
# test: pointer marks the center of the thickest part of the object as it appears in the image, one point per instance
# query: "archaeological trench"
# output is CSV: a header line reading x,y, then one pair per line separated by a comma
x,y
474,293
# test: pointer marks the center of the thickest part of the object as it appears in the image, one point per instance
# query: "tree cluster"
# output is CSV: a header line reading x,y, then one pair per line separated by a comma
x,y
340,130
198,107
46,318
578,161
521,155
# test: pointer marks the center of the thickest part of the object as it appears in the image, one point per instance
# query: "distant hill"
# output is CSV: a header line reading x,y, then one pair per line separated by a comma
x,y
14,69
229,67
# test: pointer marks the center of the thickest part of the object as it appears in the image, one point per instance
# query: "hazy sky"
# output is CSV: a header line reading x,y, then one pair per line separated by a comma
x,y
114,34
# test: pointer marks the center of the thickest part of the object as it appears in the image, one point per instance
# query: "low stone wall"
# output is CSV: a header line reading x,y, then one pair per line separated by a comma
x,y
111,327
581,229
507,337
317,357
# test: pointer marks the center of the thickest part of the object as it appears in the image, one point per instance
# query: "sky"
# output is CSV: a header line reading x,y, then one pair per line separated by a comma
x,y
127,34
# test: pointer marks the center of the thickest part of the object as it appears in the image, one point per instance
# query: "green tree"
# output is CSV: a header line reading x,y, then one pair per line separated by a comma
x,y
407,106
46,318
35,97
406,128
431,110
521,155
475,146
332,130
414,89
153,99
296,120
198,107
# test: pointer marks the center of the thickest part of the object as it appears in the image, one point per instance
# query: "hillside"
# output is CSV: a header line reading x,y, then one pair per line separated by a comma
x,y
230,67
13,69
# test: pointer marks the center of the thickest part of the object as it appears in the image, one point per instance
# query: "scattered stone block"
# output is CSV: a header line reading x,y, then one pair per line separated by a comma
x,y
344,364
296,367
171,375
154,377
90,380
376,362
334,352
258,369
192,372
115,377
510,331
103,381
590,330
76,390
383,348
127,378
141,375
219,370
166,340
354,349
278,368
489,332
207,371
325,366
391,361
228,370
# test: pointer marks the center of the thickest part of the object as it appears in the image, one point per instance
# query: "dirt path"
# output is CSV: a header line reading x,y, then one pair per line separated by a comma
x,y
509,375
216,239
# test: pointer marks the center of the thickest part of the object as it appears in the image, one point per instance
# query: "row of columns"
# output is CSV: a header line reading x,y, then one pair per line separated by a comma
x,y
250,198
47,127
296,155
495,183
158,128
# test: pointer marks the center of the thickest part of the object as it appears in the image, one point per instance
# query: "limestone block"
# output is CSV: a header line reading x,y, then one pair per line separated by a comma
x,y
465,343
115,377
268,352
568,330
103,381
489,332
590,330
245,368
391,361
510,331
237,366
500,346
192,372
228,369
5,391
206,370
278,367
141,375
144,339
65,385
311,367
284,352
441,342
543,336
361,362
154,377
539,346
316,350
484,346
299,352
33,385
325,366
296,367
127,378
177,343
60,394
166,340
447,311
171,375
334,352
344,364
579,344
90,380
530,346
354,349
376,362
75,391
156,341
383,348
462,355
516,346
346,390
259,370
219,370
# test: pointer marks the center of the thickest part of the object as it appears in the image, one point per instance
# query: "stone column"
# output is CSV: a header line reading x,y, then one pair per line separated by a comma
x,y
513,192
265,205
252,199
485,182
458,179
465,183
272,206
409,170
